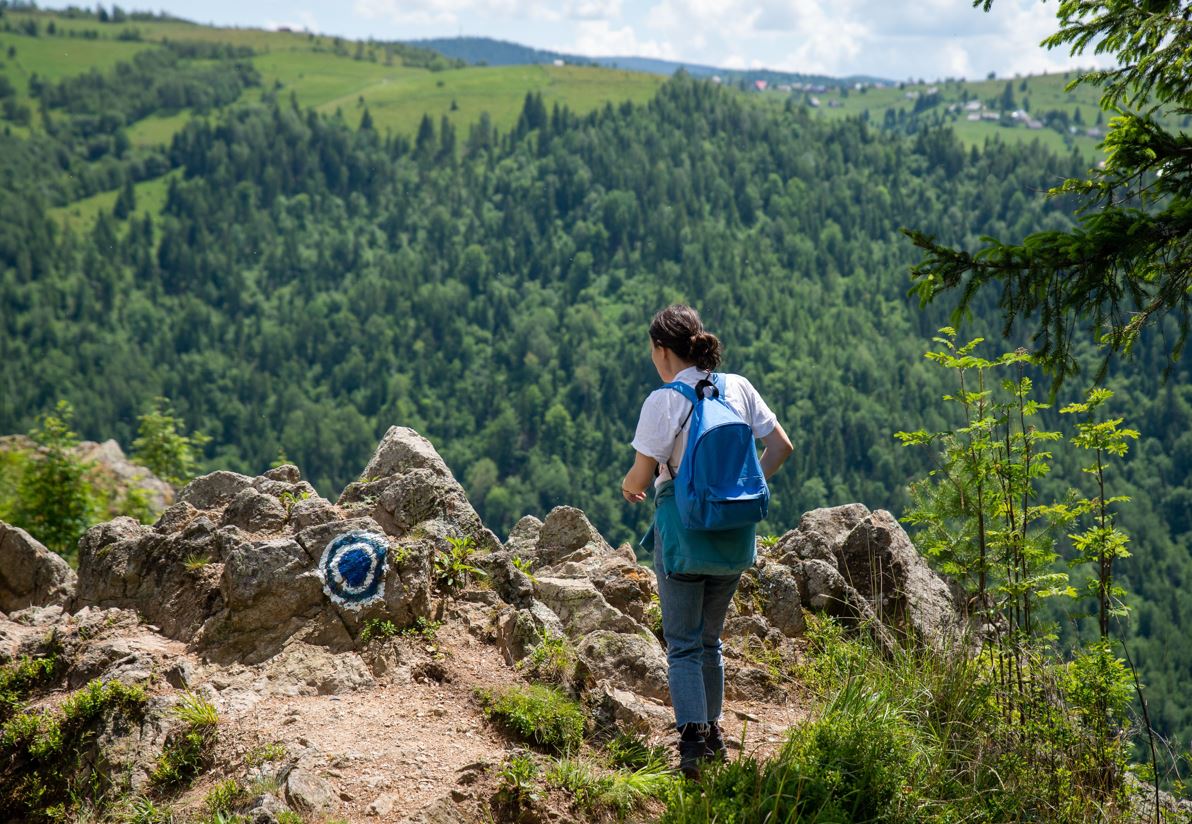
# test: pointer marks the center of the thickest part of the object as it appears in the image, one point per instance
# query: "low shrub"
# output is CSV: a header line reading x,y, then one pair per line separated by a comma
x,y
273,751
377,628
930,735
223,797
626,750
517,781
454,569
539,715
47,770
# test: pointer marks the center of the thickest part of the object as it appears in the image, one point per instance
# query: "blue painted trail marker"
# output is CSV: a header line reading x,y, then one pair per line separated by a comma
x,y
353,569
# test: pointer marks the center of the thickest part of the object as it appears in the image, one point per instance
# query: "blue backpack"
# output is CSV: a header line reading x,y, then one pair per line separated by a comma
x,y
720,484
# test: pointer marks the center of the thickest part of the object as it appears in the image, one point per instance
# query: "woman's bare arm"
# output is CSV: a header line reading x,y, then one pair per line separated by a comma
x,y
778,449
638,479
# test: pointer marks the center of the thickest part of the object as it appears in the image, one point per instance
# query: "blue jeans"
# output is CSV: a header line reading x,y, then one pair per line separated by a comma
x,y
693,610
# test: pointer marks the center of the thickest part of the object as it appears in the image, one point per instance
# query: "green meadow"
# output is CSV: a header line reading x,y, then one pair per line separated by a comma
x,y
1042,94
398,101
332,76
150,196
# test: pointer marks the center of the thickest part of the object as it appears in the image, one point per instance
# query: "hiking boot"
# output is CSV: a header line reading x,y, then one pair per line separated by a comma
x,y
692,746
714,748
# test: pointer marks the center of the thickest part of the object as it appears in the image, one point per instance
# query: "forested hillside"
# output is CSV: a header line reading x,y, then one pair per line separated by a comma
x,y
300,283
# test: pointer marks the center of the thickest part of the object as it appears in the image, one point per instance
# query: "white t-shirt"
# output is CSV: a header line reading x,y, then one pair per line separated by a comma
x,y
662,414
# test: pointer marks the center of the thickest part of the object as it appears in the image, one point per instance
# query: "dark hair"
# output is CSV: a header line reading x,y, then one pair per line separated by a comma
x,y
679,329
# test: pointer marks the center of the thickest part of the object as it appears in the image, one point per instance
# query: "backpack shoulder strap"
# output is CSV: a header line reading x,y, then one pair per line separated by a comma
x,y
688,393
682,388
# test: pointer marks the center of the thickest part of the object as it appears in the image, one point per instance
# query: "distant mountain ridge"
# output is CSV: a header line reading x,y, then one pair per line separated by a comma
x,y
493,52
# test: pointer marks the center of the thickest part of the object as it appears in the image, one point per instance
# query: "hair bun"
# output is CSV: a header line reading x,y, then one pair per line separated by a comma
x,y
705,350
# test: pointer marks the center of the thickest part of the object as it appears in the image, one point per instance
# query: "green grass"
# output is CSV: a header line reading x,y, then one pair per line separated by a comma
x,y
46,776
397,96
319,78
539,715
223,797
80,215
157,129
18,679
398,101
187,751
1044,92
53,58
273,751
924,736
596,790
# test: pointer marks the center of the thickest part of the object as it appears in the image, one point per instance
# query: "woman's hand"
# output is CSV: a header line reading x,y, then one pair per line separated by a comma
x,y
637,480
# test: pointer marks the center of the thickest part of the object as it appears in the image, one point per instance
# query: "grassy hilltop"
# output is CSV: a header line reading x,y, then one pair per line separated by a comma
x,y
398,84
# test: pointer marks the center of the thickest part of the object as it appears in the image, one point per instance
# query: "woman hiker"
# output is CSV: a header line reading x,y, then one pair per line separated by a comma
x,y
694,602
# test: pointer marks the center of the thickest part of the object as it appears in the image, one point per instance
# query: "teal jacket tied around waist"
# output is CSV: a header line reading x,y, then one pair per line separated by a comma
x,y
723,552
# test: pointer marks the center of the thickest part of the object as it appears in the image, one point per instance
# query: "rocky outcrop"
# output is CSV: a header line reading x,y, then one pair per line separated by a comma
x,y
109,466
407,483
30,574
819,534
236,566
110,459
237,569
880,562
633,661
860,567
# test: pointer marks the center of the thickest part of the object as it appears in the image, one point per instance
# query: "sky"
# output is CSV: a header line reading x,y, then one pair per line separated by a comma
x,y
894,39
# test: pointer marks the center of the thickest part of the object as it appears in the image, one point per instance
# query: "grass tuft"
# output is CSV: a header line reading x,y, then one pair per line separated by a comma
x,y
539,715
552,659
187,752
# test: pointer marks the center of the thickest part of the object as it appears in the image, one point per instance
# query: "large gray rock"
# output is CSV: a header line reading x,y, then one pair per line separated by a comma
x,y
880,562
508,581
110,458
783,604
400,450
627,711
214,490
520,630
582,609
270,593
820,534
30,574
566,532
406,484
615,573
171,579
309,793
310,512
630,661
255,511
175,518
523,538
232,568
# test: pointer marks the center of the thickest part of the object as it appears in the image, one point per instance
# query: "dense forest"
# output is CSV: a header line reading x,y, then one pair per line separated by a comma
x,y
311,281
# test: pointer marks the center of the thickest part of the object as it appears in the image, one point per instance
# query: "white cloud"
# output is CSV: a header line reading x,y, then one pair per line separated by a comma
x,y
604,10
597,38
888,38
924,38
452,12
